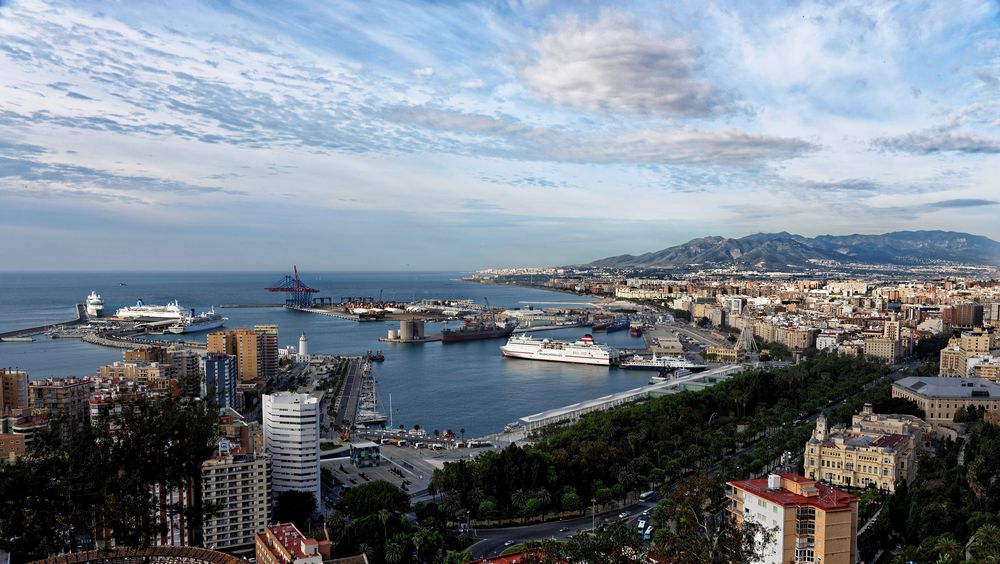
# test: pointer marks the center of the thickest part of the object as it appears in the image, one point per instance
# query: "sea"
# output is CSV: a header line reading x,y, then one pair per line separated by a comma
x,y
455,386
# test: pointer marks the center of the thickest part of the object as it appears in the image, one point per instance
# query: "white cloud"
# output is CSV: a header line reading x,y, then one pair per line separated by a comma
x,y
423,71
612,65
472,84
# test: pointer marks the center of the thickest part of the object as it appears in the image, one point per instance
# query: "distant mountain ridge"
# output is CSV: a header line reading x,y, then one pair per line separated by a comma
x,y
776,251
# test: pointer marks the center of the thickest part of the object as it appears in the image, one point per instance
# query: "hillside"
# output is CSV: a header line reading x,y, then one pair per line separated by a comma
x,y
782,250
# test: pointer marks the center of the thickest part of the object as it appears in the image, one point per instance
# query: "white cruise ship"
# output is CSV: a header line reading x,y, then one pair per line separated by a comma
x,y
584,351
204,321
95,304
170,311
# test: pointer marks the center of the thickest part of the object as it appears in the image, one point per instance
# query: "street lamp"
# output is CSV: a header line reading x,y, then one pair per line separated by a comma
x,y
593,511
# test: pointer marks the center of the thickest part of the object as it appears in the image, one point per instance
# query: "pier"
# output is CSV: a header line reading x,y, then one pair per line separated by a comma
x,y
19,335
346,404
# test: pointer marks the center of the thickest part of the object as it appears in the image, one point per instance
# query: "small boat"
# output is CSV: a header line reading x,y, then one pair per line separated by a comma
x,y
376,356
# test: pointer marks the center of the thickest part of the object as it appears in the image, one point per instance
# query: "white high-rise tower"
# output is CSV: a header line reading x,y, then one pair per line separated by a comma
x,y
291,436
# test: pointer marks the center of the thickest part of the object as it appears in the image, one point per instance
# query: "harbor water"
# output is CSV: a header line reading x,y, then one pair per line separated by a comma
x,y
461,385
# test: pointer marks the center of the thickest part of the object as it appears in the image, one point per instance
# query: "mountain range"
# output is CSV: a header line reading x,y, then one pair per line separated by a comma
x,y
777,251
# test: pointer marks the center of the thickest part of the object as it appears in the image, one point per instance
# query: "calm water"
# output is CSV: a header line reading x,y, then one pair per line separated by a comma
x,y
437,386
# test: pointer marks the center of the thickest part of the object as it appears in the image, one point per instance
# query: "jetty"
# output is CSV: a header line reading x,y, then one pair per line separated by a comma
x,y
20,335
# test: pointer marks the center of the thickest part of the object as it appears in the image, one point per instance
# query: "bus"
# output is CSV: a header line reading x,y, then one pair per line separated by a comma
x,y
648,535
651,495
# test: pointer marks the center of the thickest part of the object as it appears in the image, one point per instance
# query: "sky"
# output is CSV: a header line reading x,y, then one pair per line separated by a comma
x,y
237,135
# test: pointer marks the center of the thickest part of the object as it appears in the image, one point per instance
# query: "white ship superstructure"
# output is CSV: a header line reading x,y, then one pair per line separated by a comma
x,y
140,310
662,362
95,304
201,322
584,351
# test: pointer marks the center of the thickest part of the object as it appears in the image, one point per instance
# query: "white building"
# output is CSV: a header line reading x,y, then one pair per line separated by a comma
x,y
291,436
239,485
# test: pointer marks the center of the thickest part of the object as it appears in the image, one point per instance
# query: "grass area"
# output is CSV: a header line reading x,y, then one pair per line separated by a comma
x,y
520,547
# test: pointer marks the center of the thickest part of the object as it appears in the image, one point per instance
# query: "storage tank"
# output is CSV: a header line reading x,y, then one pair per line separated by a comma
x,y
406,330
393,334
418,329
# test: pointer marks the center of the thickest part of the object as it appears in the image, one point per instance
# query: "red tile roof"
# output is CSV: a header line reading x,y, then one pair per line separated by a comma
x,y
889,441
829,499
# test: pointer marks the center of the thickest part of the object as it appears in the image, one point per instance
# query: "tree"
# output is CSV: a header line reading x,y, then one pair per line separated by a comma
x,y
987,544
456,557
295,507
371,497
687,527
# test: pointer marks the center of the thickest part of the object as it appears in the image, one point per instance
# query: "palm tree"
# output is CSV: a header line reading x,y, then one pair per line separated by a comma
x,y
383,516
462,431
417,539
543,496
393,553
518,498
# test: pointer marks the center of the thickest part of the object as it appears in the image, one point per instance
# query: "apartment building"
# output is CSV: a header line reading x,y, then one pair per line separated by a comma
x,y
13,390
813,523
220,378
284,544
64,397
238,484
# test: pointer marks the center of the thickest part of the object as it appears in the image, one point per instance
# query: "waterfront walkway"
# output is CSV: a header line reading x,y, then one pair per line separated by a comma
x,y
573,412
346,404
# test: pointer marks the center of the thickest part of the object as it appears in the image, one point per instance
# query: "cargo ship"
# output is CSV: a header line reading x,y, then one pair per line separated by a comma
x,y
478,330
612,325
204,321
584,351
661,363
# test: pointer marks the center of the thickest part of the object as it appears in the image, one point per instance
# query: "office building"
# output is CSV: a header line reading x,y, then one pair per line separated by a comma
x,y
952,361
886,350
220,378
238,484
64,397
814,523
13,390
291,436
284,544
940,398
11,447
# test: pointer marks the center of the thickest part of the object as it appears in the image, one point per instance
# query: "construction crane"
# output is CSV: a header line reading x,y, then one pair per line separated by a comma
x,y
299,294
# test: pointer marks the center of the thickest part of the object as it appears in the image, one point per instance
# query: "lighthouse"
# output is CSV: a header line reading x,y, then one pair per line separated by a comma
x,y
303,347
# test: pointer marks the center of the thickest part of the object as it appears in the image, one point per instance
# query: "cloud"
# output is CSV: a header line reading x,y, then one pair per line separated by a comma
x,y
472,84
509,138
847,185
612,65
939,140
962,203
423,71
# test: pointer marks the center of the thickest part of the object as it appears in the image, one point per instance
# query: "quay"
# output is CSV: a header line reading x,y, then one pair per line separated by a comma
x,y
120,341
346,404
236,306
18,335
538,328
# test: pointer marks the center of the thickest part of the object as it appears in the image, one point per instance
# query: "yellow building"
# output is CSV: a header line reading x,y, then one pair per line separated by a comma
x,y
153,375
814,523
975,342
13,389
877,450
952,362
724,354
242,343
886,350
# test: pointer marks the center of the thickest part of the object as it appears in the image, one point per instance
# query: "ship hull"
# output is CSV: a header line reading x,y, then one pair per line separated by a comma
x,y
662,366
571,359
196,327
462,336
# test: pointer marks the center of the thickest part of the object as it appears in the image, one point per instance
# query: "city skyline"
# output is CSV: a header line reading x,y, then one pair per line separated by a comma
x,y
440,136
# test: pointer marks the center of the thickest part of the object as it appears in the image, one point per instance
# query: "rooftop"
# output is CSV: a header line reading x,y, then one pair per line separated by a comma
x,y
937,387
827,498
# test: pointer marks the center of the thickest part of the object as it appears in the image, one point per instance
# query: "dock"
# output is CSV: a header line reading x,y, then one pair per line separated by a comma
x,y
346,404
18,335
430,338
539,328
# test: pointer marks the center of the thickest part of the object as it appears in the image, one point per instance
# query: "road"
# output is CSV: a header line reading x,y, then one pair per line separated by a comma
x,y
491,541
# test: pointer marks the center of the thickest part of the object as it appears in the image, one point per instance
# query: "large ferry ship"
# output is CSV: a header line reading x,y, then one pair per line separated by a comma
x,y
140,310
662,362
477,330
95,304
584,351
201,322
